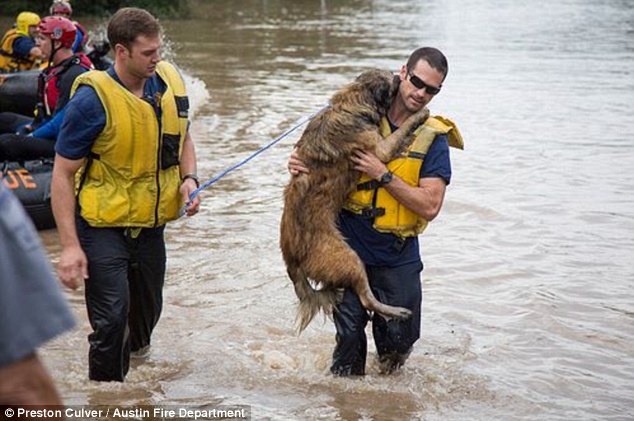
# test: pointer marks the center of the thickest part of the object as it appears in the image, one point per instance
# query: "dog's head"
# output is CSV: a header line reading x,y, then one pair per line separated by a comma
x,y
380,87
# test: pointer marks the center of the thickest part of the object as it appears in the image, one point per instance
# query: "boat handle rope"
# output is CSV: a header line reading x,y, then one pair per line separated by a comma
x,y
234,167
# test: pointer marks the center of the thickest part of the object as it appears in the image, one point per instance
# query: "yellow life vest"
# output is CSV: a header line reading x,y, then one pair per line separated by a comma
x,y
9,62
374,201
132,176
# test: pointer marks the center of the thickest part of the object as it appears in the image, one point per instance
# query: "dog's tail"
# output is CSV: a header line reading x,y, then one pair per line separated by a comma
x,y
311,301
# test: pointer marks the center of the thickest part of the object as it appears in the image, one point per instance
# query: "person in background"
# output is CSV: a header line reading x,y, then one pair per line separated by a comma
x,y
96,51
36,137
127,130
32,309
64,9
382,219
18,51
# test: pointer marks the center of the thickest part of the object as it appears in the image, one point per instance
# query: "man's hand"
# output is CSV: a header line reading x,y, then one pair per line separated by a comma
x,y
72,267
36,52
187,187
295,165
368,163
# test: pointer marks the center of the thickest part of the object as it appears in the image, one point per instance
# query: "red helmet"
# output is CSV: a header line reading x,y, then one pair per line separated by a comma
x,y
59,29
61,7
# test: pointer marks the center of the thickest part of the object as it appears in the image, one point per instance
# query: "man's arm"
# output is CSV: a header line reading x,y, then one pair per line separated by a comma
x,y
50,129
26,382
73,265
188,166
425,199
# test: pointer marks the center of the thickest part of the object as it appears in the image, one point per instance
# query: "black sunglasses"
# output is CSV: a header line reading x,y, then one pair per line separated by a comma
x,y
419,84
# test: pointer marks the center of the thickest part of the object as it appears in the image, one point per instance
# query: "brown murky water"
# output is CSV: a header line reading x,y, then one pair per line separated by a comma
x,y
528,286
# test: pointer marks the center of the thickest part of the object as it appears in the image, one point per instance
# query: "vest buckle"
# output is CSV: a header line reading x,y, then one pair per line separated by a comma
x,y
372,212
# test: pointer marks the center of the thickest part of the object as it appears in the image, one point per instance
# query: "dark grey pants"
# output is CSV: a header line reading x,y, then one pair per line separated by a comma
x,y
124,294
397,286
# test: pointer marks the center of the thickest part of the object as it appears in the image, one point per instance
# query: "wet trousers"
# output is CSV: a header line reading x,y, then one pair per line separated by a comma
x,y
396,286
124,294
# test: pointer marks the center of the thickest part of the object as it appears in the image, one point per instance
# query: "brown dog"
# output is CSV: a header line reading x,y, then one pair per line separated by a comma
x,y
311,244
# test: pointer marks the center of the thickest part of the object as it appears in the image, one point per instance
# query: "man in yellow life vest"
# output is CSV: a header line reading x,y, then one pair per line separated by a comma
x,y
381,220
17,49
125,134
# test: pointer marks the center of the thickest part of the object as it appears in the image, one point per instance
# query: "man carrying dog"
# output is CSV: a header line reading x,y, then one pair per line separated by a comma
x,y
126,130
382,219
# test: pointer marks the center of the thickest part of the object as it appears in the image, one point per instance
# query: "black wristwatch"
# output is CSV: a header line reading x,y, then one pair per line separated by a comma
x,y
193,177
386,178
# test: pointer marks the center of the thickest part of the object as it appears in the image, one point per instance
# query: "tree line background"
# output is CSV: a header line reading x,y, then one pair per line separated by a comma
x,y
161,8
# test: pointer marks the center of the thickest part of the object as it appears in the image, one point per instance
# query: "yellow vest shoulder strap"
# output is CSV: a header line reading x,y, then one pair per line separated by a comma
x,y
426,134
446,126
91,78
172,77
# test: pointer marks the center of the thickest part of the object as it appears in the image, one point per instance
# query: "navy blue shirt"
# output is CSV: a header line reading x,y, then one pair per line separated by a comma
x,y
384,249
85,117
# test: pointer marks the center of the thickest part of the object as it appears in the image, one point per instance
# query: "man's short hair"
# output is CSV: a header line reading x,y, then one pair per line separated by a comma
x,y
433,56
130,22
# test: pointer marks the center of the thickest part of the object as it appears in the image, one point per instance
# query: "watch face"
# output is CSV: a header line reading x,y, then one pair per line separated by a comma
x,y
386,178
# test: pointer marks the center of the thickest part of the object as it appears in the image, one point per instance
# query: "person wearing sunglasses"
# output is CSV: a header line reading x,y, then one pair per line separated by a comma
x,y
381,221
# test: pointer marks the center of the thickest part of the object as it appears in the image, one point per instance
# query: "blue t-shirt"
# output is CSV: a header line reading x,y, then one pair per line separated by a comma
x,y
32,307
22,46
85,117
384,249
79,38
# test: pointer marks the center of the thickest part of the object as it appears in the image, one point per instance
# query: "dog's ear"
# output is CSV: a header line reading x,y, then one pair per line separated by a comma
x,y
383,91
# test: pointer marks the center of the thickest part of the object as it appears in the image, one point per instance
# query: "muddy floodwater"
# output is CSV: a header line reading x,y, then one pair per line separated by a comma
x,y
529,274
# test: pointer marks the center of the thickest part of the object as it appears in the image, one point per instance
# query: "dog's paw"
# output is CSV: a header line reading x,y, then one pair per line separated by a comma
x,y
398,313
402,313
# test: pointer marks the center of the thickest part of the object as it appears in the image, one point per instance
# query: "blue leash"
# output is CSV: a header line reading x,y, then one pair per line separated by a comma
x,y
214,179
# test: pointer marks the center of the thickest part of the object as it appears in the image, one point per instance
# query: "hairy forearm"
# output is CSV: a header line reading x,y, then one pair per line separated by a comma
x,y
63,204
425,199
26,382
188,157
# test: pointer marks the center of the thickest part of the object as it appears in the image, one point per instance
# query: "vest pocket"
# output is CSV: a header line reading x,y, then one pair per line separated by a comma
x,y
169,151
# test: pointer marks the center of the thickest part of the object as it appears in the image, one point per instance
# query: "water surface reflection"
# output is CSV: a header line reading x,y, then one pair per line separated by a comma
x,y
528,299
